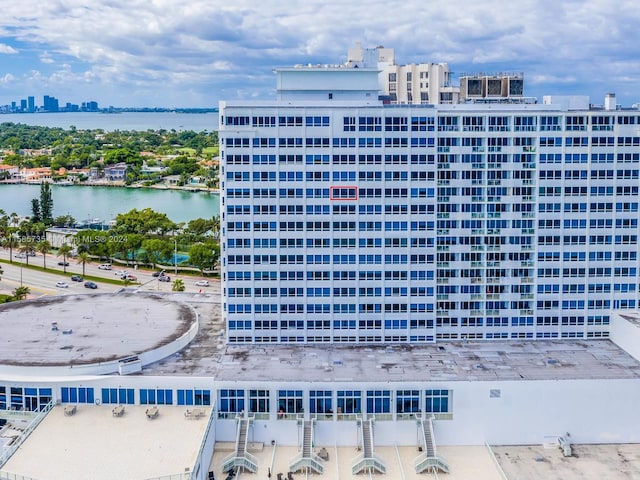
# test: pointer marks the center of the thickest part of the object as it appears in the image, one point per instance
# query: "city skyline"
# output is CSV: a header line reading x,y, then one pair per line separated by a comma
x,y
178,54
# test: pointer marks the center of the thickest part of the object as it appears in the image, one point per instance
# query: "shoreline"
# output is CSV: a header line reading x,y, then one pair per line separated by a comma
x,y
214,191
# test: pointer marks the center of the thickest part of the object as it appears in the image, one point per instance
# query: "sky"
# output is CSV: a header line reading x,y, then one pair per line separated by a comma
x,y
177,53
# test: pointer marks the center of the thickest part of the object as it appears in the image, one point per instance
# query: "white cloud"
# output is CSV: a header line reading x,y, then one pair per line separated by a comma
x,y
8,49
7,79
212,48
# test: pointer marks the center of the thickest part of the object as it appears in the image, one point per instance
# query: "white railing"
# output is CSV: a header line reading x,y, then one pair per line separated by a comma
x,y
314,463
13,476
496,463
204,440
371,463
27,431
434,463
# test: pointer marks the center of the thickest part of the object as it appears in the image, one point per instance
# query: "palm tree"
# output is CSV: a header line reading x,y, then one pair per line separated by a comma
x,y
43,247
215,226
178,285
20,293
64,250
83,258
10,242
26,248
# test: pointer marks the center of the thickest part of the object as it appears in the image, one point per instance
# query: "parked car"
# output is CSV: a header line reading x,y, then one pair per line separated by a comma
x,y
91,285
63,264
62,285
164,278
105,266
202,283
76,278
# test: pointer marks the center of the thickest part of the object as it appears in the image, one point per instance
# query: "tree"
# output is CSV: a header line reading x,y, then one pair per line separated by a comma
x,y
35,210
20,293
144,222
156,250
46,203
10,241
199,227
26,248
64,251
43,247
132,243
177,285
203,255
64,221
83,258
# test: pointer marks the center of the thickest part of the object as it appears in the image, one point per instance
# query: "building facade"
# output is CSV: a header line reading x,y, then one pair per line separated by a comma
x,y
354,222
414,83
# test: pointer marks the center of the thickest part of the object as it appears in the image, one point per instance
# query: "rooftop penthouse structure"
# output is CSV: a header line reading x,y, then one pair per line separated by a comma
x,y
348,221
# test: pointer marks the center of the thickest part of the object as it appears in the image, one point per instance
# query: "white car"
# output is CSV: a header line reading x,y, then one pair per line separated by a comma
x,y
62,285
105,266
121,273
202,283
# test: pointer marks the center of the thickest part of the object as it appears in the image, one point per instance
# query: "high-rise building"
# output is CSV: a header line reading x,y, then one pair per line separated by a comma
x,y
50,104
32,104
423,83
348,221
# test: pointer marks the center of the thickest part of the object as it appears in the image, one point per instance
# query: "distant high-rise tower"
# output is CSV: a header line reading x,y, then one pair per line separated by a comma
x,y
32,104
50,104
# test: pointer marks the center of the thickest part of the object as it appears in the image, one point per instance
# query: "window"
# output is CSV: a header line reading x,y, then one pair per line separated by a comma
x,y
160,396
349,401
407,401
73,395
194,397
437,401
378,401
230,401
320,401
289,402
118,396
259,402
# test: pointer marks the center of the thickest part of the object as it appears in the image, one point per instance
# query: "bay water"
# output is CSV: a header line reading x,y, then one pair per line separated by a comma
x,y
109,122
104,203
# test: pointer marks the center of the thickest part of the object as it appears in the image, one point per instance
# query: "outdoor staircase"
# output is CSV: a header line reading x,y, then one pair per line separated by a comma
x,y
307,461
429,460
367,461
241,458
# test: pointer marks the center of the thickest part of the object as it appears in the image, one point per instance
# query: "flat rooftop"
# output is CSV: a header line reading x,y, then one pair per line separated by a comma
x,y
117,325
489,361
465,463
93,441
87,329
588,462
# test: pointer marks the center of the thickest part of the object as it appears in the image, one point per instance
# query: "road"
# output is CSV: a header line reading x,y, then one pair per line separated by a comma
x,y
44,283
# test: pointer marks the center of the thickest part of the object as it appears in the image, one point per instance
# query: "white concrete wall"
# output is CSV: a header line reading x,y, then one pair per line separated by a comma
x,y
591,411
626,334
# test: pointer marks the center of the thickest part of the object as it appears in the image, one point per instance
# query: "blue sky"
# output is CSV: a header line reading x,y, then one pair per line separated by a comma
x,y
195,53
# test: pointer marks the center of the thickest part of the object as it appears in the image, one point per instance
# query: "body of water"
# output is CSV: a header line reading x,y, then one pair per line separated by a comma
x,y
140,121
104,203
